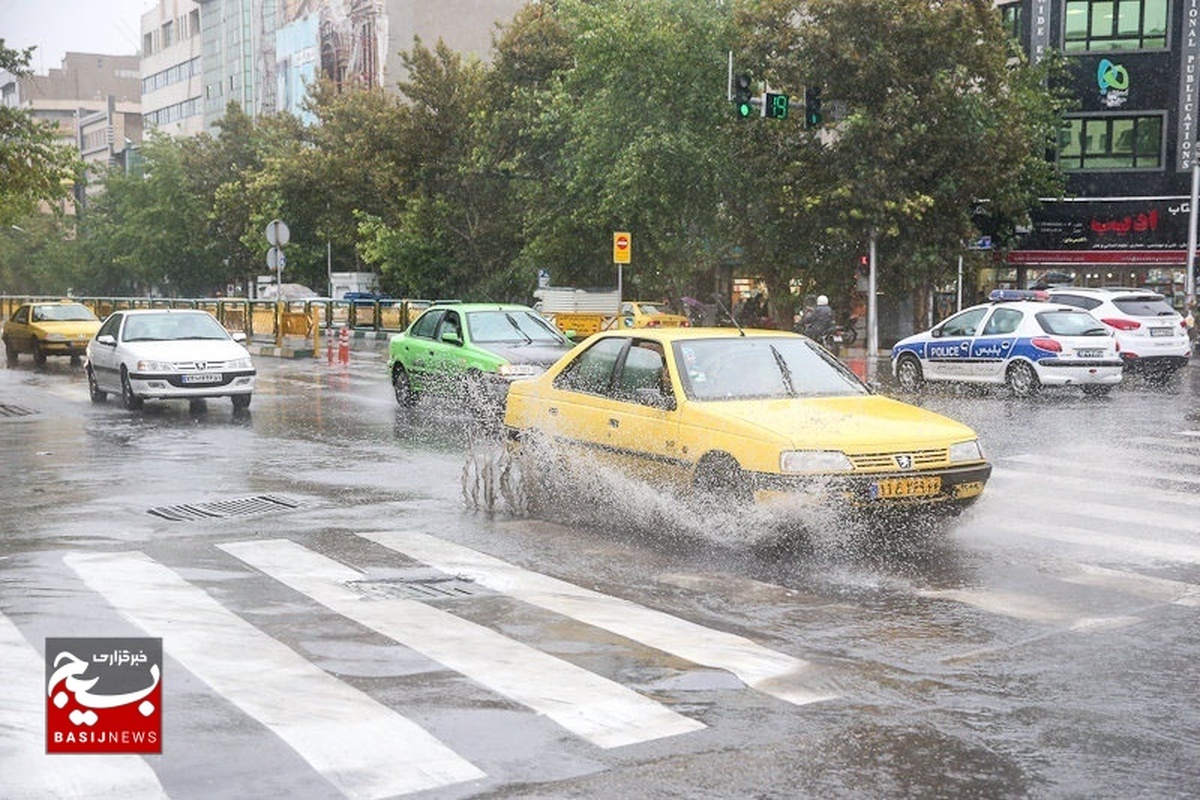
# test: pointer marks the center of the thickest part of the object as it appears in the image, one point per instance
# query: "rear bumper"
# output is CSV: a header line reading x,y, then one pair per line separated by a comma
x,y
1059,372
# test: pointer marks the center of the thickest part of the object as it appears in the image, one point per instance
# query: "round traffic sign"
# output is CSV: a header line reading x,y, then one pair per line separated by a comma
x,y
278,233
622,242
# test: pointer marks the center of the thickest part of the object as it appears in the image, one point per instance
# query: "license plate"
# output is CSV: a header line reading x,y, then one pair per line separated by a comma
x,y
1161,331
923,486
1090,353
203,377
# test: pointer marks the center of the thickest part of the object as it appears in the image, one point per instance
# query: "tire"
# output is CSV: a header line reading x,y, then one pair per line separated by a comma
x,y
240,401
719,479
402,387
94,391
10,353
39,355
1023,380
129,400
849,335
909,374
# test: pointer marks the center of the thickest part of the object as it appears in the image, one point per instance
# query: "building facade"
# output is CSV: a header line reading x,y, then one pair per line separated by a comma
x,y
172,68
1128,146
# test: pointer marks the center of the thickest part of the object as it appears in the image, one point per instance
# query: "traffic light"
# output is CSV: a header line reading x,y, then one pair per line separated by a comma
x,y
812,107
775,105
741,96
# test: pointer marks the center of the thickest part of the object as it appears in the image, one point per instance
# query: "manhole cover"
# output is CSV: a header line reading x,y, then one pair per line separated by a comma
x,y
7,410
421,588
220,509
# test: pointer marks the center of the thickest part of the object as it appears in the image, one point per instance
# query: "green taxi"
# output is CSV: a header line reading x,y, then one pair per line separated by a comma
x,y
471,352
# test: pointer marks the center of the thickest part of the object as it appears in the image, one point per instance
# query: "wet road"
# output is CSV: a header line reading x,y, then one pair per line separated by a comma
x,y
361,624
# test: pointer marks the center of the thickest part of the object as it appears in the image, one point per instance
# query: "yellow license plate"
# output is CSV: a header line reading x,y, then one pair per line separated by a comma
x,y
923,486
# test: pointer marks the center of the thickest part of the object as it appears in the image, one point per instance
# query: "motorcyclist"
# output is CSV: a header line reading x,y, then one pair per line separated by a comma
x,y
818,321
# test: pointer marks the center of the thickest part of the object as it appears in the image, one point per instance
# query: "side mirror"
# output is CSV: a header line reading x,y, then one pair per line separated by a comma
x,y
106,339
652,397
451,337
571,334
936,332
239,337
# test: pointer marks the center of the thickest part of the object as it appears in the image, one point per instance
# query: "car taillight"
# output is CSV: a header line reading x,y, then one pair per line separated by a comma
x,y
653,323
687,323
1049,345
1122,324
1183,324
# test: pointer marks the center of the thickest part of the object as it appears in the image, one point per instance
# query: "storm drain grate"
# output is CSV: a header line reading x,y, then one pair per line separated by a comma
x,y
7,410
439,588
220,509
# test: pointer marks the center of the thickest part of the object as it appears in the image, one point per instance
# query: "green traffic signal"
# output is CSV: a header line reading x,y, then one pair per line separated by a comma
x,y
741,96
812,107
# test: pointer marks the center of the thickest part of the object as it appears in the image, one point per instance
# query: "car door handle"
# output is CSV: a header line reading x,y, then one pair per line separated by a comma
x,y
613,422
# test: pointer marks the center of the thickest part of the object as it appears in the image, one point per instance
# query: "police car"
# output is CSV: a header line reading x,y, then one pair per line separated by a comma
x,y
1019,340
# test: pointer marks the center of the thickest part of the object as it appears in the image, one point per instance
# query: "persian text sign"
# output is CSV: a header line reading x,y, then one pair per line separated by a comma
x,y
104,695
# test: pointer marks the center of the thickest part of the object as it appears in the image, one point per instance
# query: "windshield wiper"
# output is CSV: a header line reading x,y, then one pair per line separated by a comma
x,y
517,328
787,372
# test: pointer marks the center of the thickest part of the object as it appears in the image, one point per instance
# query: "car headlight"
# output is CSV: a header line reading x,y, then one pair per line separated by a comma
x,y
966,451
240,363
519,370
809,461
155,366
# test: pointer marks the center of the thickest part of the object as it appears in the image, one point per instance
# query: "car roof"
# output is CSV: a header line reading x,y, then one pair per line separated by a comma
x,y
667,335
141,311
1106,291
469,307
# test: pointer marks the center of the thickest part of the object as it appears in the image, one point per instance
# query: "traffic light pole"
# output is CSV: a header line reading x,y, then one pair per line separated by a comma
x,y
872,316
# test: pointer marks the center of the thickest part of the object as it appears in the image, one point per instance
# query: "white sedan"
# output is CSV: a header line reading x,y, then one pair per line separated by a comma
x,y
1016,340
163,354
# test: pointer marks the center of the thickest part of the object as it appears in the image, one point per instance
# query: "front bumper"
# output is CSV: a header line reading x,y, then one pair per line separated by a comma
x,y
160,386
914,487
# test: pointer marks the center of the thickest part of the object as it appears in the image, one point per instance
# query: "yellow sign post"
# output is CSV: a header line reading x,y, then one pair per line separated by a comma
x,y
621,247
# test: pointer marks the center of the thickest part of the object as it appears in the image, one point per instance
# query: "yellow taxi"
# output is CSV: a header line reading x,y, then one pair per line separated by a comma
x,y
636,314
740,416
49,328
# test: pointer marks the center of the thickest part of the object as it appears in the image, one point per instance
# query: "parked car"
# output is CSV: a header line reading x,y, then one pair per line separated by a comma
x,y
472,352
1153,336
168,354
637,314
743,417
1014,340
55,328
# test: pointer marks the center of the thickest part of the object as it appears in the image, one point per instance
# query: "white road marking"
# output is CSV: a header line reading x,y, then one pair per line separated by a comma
x,y
1030,608
29,771
1036,482
361,746
1162,590
1140,547
605,713
768,671
1109,472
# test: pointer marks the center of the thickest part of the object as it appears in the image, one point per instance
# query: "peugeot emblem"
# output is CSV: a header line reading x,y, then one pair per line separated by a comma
x,y
904,462
201,365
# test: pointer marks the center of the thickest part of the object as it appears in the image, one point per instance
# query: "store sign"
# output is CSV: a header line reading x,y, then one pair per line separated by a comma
x,y
1113,80
1099,225
1189,84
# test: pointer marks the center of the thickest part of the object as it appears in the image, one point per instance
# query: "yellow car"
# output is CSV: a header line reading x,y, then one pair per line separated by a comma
x,y
742,417
649,315
53,328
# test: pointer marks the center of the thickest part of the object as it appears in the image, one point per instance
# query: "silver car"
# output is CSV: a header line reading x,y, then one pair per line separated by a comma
x,y
164,354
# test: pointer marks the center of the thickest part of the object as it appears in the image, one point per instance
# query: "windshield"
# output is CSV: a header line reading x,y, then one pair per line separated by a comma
x,y
1070,323
760,367
1145,306
63,313
511,327
169,327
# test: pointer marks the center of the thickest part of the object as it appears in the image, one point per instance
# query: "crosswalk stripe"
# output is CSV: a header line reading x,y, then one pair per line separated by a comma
x,y
359,745
768,671
1031,608
1161,590
29,772
1036,482
1109,472
1138,547
603,712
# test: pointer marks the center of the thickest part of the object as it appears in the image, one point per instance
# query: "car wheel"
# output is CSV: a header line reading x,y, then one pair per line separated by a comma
x,y
1097,390
719,479
94,391
240,401
402,386
10,353
909,374
39,355
1022,379
129,400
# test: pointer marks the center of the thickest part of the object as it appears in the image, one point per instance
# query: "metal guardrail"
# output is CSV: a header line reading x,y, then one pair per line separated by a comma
x,y
261,318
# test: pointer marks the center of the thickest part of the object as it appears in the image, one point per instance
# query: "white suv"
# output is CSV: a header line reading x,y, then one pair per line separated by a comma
x,y
1151,334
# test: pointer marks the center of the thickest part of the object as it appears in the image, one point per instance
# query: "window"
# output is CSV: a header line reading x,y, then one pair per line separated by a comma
x,y
1115,25
1105,143
964,324
1002,322
592,371
1011,20
643,371
168,34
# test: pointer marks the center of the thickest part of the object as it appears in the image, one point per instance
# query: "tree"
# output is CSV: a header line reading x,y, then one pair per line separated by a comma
x,y
35,167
